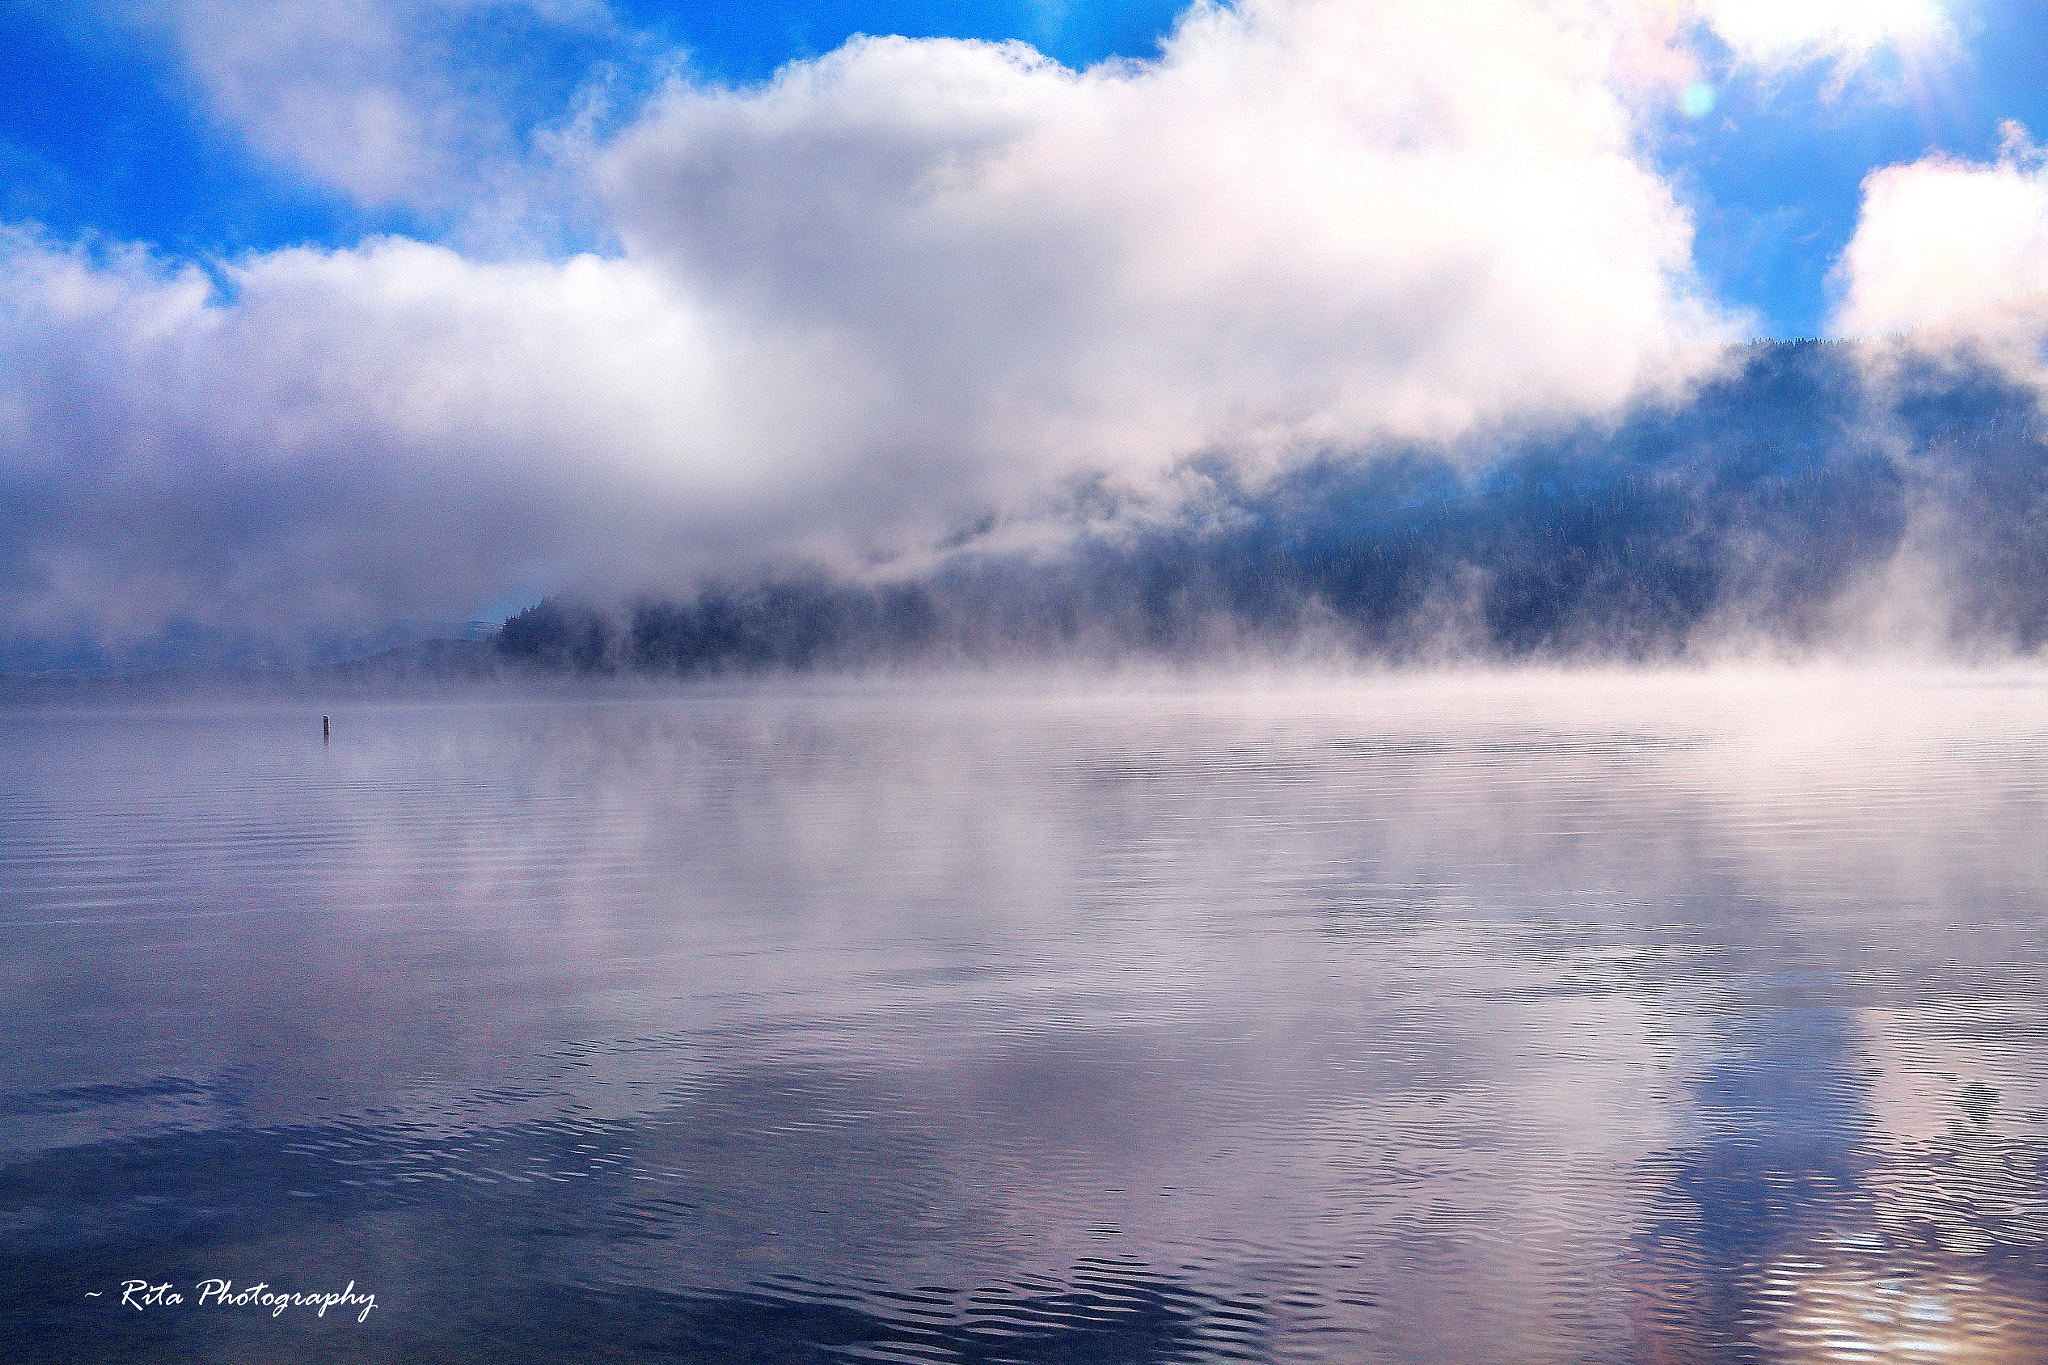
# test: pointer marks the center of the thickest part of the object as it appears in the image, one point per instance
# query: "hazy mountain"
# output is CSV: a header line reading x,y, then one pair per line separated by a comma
x,y
1796,502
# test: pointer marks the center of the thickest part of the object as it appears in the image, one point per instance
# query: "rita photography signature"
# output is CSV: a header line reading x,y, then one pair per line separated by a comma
x,y
141,1295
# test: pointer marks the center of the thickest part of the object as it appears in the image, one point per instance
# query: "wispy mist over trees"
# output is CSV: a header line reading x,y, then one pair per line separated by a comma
x,y
1808,499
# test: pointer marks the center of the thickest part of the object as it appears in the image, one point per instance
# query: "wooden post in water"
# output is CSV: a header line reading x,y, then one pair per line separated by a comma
x,y
324,732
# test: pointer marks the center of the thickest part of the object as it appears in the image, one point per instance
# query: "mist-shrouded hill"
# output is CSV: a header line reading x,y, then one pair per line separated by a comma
x,y
1812,499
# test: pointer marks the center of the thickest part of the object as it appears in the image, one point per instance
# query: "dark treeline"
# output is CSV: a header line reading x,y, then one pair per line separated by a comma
x,y
1769,505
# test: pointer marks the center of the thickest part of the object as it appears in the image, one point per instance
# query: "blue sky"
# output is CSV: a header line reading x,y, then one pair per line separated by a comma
x,y
102,133
323,317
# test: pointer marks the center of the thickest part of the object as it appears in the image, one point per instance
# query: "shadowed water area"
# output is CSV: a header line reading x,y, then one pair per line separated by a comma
x,y
1462,1019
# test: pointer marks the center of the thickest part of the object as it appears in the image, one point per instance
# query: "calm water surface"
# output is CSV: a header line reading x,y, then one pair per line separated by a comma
x,y
1435,1019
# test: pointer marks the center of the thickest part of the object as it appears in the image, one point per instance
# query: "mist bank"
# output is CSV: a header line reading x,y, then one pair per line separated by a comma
x,y
1814,500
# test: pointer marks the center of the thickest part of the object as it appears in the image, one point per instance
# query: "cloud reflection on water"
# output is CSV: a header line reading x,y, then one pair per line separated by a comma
x,y
1458,1018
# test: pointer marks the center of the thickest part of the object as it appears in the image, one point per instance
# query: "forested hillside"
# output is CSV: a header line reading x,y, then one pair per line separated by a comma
x,y
1795,502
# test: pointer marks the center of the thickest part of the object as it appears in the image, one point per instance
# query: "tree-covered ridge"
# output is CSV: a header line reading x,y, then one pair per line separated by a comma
x,y
1792,501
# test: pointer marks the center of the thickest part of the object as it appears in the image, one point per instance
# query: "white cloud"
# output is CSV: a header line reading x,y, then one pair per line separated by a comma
x,y
426,106
355,436
902,284
1308,222
1774,33
1950,245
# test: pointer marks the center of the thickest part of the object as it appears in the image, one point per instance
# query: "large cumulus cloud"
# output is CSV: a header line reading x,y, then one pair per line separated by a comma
x,y
899,289
1308,221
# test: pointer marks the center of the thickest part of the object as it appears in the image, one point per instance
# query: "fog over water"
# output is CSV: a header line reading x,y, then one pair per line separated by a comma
x,y
1468,1016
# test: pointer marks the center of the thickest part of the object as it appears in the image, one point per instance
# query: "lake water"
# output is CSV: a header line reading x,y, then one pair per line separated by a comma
x,y
1463,1019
